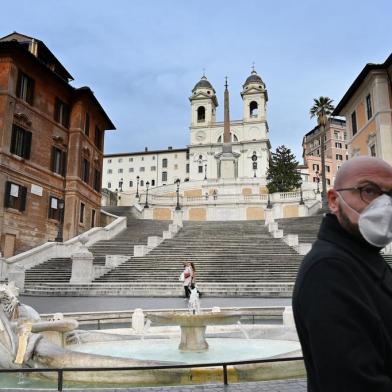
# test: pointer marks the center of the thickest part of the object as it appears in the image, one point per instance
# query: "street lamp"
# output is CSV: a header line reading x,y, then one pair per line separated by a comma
x,y
120,184
59,237
301,202
269,205
137,186
178,208
318,181
254,163
205,171
146,204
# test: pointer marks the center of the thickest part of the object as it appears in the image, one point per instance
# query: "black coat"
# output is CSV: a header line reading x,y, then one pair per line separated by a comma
x,y
342,304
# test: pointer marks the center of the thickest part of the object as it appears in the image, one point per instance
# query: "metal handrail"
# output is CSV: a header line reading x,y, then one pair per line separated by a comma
x,y
224,365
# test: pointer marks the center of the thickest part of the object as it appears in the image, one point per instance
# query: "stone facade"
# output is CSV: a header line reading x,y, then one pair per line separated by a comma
x,y
51,148
367,106
336,151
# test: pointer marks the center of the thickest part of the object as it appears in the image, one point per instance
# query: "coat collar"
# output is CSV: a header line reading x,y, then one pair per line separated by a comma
x,y
368,255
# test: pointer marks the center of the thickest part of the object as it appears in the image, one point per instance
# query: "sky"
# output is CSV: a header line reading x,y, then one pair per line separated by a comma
x,y
142,58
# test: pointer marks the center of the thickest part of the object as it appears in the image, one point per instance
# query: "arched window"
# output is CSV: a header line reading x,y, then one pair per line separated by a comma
x,y
109,185
234,138
201,114
141,183
253,109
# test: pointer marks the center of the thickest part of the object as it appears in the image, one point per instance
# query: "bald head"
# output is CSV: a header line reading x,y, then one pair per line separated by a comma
x,y
361,167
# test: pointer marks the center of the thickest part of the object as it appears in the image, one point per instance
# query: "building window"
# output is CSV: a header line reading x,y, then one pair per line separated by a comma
x,y
130,184
369,107
61,112
97,180
164,162
141,183
142,158
253,109
175,156
92,218
15,196
130,159
109,185
85,170
200,169
152,182
153,168
339,157
59,161
87,124
373,150
328,169
25,88
201,114
187,168
153,157
187,155
81,216
54,210
119,160
110,171
164,176
338,145
119,170
109,161
142,169
20,142
175,166
354,122
328,181
316,167
98,138
130,170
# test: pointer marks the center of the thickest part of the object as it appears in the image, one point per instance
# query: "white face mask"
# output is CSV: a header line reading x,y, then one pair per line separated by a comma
x,y
375,221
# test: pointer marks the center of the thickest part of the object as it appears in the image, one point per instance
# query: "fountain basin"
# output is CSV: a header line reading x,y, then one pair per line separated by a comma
x,y
193,326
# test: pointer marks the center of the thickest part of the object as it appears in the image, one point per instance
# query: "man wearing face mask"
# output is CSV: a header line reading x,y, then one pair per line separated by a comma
x,y
342,298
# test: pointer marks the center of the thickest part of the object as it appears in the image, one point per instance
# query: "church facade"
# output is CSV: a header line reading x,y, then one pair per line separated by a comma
x,y
130,172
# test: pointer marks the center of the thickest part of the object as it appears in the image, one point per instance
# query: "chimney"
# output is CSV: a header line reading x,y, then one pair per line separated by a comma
x,y
170,148
145,148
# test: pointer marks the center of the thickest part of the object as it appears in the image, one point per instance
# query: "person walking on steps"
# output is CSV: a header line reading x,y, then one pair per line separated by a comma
x,y
188,276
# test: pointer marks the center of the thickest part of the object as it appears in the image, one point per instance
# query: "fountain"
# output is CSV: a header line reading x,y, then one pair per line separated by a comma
x,y
28,341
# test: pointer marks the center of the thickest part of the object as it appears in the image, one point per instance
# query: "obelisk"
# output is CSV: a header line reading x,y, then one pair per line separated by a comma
x,y
227,159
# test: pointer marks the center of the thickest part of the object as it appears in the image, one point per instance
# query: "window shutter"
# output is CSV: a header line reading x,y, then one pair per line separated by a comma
x,y
13,140
23,193
27,144
63,163
30,91
7,194
52,158
18,84
57,110
66,116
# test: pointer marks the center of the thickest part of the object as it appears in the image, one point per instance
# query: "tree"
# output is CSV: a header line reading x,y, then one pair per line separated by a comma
x,y
322,109
282,175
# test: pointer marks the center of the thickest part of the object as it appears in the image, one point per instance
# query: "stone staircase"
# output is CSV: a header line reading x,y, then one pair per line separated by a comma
x,y
58,270
305,227
232,258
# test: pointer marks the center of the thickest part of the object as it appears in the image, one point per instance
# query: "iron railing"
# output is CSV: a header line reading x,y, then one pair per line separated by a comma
x,y
224,365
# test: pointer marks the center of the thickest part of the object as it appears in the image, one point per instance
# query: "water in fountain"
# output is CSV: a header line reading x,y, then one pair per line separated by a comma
x,y
242,329
146,327
194,301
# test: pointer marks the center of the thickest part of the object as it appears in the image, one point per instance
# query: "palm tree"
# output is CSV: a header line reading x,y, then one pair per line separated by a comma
x,y
322,109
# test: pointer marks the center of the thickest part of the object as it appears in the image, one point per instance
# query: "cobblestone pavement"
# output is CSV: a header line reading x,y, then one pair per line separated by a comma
x,y
264,386
93,304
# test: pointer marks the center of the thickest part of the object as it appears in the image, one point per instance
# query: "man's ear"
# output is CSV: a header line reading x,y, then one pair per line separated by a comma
x,y
333,202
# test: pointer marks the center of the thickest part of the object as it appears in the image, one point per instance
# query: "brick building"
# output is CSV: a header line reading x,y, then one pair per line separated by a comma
x,y
335,150
51,148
